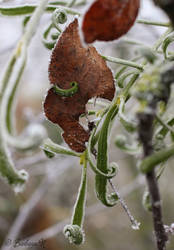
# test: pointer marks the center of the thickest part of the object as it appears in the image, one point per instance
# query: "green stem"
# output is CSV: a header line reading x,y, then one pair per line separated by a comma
x,y
78,213
142,21
9,96
150,162
29,9
52,147
74,231
123,62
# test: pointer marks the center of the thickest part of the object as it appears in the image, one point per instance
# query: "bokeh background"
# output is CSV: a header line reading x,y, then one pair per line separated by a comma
x,y
49,196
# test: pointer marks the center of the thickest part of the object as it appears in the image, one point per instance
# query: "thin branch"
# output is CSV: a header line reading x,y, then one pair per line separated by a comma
x,y
161,236
145,131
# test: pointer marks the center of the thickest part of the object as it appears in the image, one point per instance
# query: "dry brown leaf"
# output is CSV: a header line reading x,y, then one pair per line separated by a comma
x,y
71,62
107,20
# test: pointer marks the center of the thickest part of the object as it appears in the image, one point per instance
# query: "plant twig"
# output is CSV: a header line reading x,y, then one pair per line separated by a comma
x,y
161,236
145,131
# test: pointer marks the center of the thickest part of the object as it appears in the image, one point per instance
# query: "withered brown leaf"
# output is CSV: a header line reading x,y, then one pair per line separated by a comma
x,y
71,62
107,20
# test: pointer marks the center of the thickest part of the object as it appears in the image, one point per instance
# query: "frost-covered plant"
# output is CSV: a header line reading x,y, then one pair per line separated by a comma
x,y
78,75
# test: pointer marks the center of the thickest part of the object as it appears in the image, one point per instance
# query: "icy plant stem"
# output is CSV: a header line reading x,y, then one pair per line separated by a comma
x,y
7,169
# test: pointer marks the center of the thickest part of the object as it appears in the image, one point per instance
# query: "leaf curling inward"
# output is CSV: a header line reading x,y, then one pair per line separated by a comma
x,y
107,20
71,62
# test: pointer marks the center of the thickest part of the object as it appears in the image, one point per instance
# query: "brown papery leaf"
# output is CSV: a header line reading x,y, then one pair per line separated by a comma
x,y
107,20
71,62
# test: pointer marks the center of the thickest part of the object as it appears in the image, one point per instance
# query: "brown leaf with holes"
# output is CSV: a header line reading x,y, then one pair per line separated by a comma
x,y
71,62
107,20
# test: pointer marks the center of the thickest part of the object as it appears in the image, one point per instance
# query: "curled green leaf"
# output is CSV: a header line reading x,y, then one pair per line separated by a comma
x,y
49,43
102,162
112,169
74,234
59,16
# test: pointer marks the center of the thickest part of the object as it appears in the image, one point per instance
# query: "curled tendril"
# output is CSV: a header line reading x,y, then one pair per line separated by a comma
x,y
59,16
74,233
112,169
108,200
66,92
165,45
50,43
128,124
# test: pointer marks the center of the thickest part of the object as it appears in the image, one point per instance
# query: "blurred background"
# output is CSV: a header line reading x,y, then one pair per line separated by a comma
x,y
46,204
